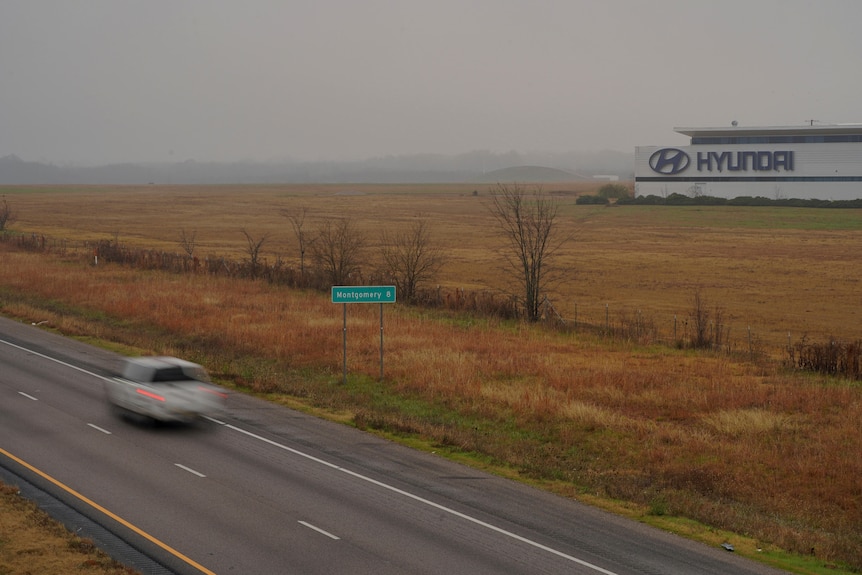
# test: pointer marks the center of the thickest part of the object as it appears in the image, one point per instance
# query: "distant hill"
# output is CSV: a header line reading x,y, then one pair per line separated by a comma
x,y
14,170
421,168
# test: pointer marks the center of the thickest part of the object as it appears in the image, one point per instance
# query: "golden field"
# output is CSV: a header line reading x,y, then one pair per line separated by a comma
x,y
777,272
731,438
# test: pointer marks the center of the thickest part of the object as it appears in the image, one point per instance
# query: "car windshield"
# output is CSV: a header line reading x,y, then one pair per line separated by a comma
x,y
166,374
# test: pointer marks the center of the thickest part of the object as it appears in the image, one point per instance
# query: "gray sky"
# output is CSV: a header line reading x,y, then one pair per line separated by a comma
x,y
100,81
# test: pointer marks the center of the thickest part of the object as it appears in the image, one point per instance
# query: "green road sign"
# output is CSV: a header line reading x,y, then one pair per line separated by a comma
x,y
363,294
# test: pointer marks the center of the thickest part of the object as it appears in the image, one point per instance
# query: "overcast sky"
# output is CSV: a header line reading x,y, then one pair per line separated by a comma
x,y
88,82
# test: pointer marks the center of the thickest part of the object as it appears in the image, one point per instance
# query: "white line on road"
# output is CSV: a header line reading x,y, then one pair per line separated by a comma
x,y
28,396
96,427
319,530
428,502
473,520
190,470
42,355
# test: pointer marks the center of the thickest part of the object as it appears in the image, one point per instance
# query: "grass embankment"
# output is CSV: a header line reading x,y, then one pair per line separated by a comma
x,y
742,448
33,543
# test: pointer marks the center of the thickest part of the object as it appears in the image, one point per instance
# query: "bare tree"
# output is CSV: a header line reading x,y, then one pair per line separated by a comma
x,y
187,242
528,222
708,326
337,250
297,221
7,216
411,258
254,245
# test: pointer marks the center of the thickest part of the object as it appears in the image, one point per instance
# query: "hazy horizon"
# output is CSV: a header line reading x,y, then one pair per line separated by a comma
x,y
96,82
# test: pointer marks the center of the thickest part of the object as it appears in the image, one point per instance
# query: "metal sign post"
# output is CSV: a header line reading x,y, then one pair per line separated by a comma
x,y
361,294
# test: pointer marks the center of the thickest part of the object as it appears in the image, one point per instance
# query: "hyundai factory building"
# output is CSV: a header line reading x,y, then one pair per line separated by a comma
x,y
814,161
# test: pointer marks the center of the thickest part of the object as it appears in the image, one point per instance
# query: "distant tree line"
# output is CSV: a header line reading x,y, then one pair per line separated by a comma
x,y
608,192
624,196
684,200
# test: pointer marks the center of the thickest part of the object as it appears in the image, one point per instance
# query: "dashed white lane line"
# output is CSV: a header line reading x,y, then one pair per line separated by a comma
x,y
356,475
190,470
97,428
424,501
319,530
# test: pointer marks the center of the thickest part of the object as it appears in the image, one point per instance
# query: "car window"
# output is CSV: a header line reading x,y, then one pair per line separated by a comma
x,y
166,374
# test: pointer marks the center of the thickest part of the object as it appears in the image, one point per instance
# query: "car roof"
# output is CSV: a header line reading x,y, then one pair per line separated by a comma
x,y
163,361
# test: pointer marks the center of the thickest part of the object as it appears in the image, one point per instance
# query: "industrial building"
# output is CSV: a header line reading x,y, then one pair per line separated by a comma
x,y
811,161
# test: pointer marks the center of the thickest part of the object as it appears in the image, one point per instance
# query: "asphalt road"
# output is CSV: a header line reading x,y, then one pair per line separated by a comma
x,y
268,490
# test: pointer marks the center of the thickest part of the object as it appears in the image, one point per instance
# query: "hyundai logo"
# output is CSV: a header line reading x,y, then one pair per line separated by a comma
x,y
669,161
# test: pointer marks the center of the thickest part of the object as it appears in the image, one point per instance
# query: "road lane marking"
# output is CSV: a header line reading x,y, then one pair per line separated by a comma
x,y
391,488
319,530
97,428
428,502
42,355
190,470
28,396
110,514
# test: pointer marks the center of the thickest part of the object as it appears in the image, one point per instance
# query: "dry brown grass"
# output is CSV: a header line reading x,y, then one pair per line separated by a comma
x,y
773,271
32,543
739,445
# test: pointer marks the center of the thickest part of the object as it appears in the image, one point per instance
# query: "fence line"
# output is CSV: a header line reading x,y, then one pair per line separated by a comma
x,y
697,329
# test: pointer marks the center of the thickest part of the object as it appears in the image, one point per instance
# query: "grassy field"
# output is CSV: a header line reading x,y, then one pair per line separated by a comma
x,y
775,272
733,440
32,543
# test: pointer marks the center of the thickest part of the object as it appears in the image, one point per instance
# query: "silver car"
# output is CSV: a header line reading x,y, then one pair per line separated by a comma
x,y
165,389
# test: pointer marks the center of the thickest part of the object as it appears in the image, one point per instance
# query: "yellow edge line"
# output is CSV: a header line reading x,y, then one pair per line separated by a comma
x,y
113,516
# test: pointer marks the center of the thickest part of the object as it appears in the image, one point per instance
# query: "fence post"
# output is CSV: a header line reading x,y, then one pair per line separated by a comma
x,y
607,319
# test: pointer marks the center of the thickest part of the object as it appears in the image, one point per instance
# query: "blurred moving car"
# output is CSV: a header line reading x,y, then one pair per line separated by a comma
x,y
165,389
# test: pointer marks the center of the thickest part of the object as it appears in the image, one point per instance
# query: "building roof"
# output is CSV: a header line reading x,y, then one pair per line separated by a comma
x,y
801,130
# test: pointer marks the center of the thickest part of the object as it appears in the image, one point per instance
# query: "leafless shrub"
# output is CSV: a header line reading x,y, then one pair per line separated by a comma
x,y
7,216
297,222
709,330
187,242
635,327
338,250
410,258
830,358
253,248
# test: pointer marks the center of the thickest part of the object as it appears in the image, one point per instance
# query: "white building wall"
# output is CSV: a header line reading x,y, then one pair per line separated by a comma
x,y
827,171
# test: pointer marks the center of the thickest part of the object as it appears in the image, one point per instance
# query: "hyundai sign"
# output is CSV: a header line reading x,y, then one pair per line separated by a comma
x,y
673,161
817,161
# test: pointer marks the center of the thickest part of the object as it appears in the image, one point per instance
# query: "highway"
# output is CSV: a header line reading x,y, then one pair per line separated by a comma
x,y
269,490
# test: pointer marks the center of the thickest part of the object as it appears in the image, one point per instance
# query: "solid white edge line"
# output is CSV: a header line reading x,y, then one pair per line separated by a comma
x,y
96,427
499,530
443,508
190,470
42,355
319,530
